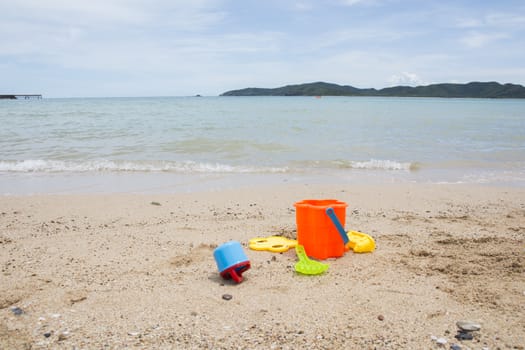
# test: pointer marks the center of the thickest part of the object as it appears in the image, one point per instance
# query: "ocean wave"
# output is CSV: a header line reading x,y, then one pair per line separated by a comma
x,y
372,164
384,165
58,166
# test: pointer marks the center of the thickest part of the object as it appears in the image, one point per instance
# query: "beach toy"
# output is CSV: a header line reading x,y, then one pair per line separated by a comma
x,y
231,260
276,244
307,266
315,230
361,242
357,241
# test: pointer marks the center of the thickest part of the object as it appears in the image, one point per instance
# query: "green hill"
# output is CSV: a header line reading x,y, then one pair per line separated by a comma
x,y
469,90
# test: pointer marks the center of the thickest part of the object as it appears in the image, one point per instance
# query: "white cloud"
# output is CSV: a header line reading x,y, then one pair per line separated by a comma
x,y
350,2
356,2
360,35
98,32
506,20
118,14
405,78
303,6
469,23
79,12
493,21
476,39
183,55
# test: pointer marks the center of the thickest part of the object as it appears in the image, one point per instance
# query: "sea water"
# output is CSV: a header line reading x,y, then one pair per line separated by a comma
x,y
172,144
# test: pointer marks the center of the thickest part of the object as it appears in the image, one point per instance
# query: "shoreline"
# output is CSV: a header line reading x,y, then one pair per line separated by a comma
x,y
15,184
117,270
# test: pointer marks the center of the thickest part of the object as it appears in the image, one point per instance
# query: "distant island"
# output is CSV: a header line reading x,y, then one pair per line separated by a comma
x,y
469,90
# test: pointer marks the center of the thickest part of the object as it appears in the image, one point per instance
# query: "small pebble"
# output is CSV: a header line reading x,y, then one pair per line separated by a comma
x,y
47,335
17,311
227,296
455,347
155,203
464,336
441,341
380,317
468,326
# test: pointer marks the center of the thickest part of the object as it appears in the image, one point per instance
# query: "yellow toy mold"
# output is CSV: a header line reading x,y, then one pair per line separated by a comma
x,y
276,244
360,242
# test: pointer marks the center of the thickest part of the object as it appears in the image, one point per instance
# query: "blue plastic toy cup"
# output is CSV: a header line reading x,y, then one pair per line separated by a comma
x,y
231,260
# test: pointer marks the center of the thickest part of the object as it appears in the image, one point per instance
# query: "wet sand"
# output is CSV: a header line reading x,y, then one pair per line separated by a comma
x,y
137,271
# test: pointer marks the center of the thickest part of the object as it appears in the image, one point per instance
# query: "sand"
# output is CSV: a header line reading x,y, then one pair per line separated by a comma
x,y
137,271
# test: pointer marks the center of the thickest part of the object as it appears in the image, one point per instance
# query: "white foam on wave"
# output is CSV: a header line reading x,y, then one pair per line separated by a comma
x,y
372,164
57,166
382,165
60,166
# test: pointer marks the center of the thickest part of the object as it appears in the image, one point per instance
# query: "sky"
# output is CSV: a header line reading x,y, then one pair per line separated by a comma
x,y
104,48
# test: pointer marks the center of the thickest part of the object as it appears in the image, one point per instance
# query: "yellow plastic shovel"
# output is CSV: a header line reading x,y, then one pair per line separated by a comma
x,y
307,266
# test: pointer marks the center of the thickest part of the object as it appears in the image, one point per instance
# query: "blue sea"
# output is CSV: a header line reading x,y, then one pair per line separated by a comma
x,y
184,144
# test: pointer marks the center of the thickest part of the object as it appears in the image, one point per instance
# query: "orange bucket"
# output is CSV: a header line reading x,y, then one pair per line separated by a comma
x,y
316,231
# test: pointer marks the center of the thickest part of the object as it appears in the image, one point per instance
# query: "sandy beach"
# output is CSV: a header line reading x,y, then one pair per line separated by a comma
x,y
137,271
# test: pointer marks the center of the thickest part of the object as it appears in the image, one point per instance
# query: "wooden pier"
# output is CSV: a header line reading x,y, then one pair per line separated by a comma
x,y
20,97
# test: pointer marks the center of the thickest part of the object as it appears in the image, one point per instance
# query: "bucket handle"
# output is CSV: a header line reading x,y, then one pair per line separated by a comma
x,y
331,214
